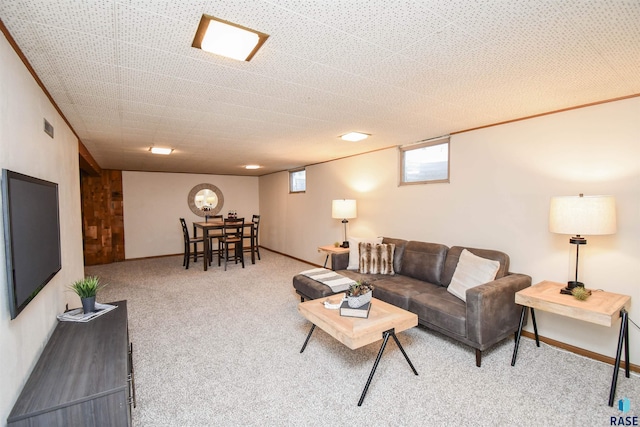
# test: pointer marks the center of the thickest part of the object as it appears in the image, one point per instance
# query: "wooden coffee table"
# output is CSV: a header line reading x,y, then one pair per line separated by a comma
x,y
384,321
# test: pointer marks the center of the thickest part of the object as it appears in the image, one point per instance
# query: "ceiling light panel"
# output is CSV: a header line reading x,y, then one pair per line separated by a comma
x,y
355,136
161,150
227,39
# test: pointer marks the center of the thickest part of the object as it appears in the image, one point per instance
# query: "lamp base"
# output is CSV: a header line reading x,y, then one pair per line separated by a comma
x,y
345,244
570,285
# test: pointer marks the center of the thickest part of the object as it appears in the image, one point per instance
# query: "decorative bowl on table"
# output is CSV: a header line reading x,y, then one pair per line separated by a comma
x,y
359,294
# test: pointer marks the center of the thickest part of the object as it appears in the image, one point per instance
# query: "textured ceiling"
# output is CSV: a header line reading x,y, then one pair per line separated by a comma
x,y
125,76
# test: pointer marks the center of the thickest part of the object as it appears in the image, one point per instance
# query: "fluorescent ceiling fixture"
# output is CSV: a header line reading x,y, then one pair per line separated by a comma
x,y
227,39
160,150
355,136
252,167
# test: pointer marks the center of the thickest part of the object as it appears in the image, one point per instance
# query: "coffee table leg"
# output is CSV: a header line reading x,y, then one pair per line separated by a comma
x,y
308,336
385,336
393,334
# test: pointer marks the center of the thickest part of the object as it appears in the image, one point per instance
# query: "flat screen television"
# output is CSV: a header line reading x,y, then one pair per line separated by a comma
x,y
31,236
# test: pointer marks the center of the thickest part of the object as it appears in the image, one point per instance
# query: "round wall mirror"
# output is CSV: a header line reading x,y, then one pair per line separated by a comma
x,y
205,200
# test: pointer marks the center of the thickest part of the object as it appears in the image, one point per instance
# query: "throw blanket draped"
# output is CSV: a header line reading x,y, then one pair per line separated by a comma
x,y
335,281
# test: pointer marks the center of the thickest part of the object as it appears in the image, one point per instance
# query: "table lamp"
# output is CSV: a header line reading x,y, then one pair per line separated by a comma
x,y
581,215
345,209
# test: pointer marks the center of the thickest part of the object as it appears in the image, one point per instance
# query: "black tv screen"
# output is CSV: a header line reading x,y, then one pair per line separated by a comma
x,y
31,235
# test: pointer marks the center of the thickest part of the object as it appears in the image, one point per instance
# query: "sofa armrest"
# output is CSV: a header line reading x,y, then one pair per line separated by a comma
x,y
492,311
339,261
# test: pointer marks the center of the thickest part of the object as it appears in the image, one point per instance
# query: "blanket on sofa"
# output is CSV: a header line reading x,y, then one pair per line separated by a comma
x,y
337,282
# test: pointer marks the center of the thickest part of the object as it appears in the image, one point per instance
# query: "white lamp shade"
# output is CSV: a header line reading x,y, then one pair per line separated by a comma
x,y
582,215
343,209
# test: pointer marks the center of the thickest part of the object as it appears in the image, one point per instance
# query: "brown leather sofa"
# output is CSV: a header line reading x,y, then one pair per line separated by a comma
x,y
422,273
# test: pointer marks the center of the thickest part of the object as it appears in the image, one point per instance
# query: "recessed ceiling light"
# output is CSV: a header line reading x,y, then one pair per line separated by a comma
x,y
252,167
227,39
160,150
355,136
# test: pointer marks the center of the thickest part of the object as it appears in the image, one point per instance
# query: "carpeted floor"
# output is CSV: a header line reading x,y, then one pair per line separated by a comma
x,y
220,348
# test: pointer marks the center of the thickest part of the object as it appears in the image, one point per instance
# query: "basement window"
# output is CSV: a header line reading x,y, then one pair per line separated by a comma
x,y
297,181
425,162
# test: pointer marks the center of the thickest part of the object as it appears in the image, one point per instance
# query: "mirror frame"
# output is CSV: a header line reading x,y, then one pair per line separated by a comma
x,y
191,200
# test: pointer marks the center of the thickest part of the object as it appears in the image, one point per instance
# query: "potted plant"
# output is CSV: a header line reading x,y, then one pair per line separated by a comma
x,y
359,294
87,289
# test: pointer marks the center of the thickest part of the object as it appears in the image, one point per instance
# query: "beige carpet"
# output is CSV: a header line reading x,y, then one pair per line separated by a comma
x,y
222,348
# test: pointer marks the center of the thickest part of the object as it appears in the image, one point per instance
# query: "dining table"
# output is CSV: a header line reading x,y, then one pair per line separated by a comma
x,y
217,224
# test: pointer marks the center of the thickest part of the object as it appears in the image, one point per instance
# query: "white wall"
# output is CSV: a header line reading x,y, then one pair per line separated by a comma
x,y
502,179
154,202
25,148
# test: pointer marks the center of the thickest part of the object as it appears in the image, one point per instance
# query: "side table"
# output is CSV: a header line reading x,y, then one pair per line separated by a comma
x,y
331,249
601,308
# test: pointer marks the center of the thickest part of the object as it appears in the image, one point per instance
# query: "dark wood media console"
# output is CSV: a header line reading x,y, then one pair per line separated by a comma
x,y
84,376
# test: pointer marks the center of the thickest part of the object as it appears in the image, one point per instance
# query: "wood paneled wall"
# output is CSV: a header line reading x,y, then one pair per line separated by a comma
x,y
102,217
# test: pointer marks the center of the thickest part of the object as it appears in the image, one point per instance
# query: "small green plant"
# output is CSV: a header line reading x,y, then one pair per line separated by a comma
x,y
359,288
580,293
87,287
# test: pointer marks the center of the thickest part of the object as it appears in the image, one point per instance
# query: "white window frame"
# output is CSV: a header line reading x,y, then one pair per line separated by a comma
x,y
292,174
442,140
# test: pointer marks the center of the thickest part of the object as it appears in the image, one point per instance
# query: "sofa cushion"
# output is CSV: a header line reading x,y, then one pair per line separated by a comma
x,y
354,253
376,258
424,261
359,277
439,308
398,289
454,254
398,252
470,272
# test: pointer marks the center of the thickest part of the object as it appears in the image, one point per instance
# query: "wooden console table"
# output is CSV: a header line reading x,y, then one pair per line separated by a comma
x,y
601,308
83,377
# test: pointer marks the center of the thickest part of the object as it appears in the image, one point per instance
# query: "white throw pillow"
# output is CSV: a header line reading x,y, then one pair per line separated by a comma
x,y
354,253
471,271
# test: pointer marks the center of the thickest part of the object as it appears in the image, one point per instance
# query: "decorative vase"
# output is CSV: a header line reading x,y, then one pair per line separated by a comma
x,y
360,300
88,304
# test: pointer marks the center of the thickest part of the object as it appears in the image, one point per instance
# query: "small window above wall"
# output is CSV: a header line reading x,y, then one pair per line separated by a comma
x,y
297,181
425,162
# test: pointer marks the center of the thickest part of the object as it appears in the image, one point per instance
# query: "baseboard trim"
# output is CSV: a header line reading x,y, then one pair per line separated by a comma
x,y
292,257
181,254
581,351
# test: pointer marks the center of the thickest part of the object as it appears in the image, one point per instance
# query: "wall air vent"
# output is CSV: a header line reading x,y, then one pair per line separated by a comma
x,y
48,129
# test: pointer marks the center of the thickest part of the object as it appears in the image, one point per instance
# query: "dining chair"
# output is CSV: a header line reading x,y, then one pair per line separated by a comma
x,y
231,239
213,235
188,241
253,240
